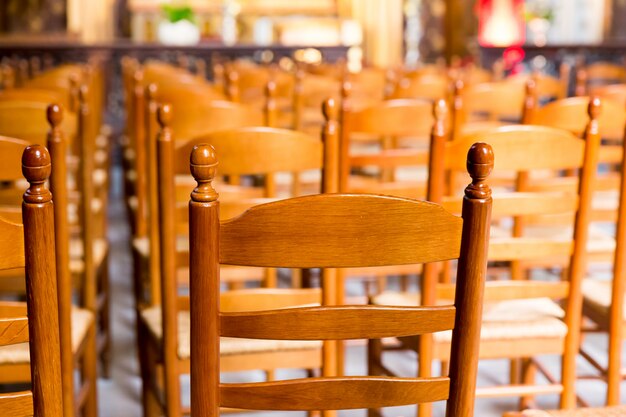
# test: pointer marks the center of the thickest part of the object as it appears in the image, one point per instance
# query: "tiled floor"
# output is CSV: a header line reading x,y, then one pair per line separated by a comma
x,y
120,395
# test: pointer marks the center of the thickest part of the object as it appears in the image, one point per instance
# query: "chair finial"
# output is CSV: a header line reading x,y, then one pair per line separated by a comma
x,y
36,168
595,108
164,115
330,110
54,113
151,91
203,163
479,165
440,110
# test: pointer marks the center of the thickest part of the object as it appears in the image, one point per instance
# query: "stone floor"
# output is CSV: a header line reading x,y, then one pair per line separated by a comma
x,y
119,396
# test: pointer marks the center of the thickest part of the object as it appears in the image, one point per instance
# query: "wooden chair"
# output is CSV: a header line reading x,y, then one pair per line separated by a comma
x,y
547,87
31,246
427,87
165,340
335,231
598,74
522,321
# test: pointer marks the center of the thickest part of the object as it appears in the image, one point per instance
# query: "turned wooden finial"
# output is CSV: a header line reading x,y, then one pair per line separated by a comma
x,y
151,91
479,165
330,110
440,113
54,114
346,88
232,88
36,168
530,99
594,109
203,164
164,115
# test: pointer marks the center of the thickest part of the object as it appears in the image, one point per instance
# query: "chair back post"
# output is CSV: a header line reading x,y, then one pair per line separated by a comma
x,y
618,285
8,77
41,287
565,71
458,114
271,107
578,261
35,66
58,186
331,174
581,83
167,241
470,283
204,227
87,196
232,85
344,136
530,101
152,192
139,134
298,97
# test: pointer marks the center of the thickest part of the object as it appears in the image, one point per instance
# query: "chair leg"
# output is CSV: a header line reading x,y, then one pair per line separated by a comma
x,y
614,377
105,320
89,373
374,359
528,371
515,371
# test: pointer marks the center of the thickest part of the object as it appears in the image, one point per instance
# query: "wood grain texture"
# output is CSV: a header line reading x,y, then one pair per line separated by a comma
x,y
257,150
409,232
11,151
551,148
11,245
511,290
337,323
339,393
13,330
259,299
18,404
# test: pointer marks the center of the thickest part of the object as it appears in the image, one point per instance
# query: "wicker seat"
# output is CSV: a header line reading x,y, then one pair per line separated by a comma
x,y
228,345
81,320
503,320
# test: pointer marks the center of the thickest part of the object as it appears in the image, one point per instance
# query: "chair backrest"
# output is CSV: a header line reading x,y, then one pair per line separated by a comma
x,y
26,120
389,121
427,87
547,87
496,101
31,246
523,149
570,114
335,231
603,72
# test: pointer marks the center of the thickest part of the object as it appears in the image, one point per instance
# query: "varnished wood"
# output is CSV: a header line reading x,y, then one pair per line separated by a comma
x,y
403,239
208,238
58,186
321,393
337,323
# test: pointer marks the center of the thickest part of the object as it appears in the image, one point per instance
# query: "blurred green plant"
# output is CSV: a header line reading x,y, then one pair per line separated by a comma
x,y
177,13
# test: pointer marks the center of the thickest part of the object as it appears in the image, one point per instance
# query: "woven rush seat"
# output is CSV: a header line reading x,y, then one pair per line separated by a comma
x,y
228,345
502,320
100,248
597,295
19,353
616,411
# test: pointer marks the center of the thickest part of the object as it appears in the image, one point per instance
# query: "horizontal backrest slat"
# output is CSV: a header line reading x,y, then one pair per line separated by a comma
x,y
551,148
520,248
338,322
399,117
11,150
328,231
523,203
13,330
16,404
11,245
391,158
510,290
257,150
339,393
258,299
